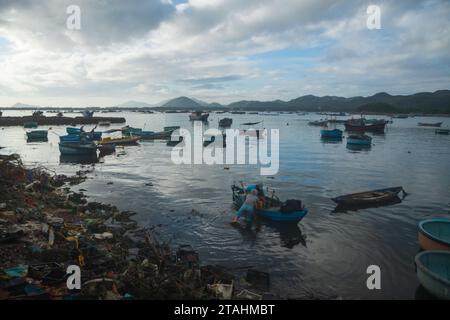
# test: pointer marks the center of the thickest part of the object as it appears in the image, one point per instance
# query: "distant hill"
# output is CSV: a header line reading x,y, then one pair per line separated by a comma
x,y
135,104
185,103
20,105
378,107
424,102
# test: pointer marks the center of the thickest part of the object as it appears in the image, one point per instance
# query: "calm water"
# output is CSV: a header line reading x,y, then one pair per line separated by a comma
x,y
327,254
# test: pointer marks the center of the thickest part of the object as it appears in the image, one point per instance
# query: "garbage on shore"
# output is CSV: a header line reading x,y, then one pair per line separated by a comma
x,y
45,227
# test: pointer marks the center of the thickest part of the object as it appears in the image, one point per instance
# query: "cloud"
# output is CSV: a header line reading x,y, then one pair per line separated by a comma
x,y
219,50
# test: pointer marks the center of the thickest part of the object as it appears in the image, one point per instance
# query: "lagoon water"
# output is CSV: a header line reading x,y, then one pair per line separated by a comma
x,y
326,255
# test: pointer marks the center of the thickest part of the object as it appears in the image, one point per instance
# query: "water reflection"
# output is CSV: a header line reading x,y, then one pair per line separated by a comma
x,y
290,233
79,159
357,148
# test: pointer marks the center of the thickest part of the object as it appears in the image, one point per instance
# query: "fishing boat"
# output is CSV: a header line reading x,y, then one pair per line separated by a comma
x,y
77,148
72,131
319,123
250,123
359,140
424,124
171,128
225,122
104,123
130,131
433,272
274,209
442,131
363,125
119,141
87,113
369,198
38,113
434,234
331,134
199,116
37,135
30,124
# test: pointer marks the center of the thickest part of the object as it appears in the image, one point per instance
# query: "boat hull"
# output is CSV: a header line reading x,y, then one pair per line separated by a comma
x,y
434,234
422,124
376,127
34,135
77,149
433,272
331,134
374,197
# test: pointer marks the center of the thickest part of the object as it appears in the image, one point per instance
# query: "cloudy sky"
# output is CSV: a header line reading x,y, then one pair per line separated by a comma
x,y
218,50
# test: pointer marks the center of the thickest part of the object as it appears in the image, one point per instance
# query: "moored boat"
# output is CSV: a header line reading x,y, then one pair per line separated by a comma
x,y
360,140
331,134
104,123
442,131
77,148
373,197
37,134
199,115
119,141
424,124
319,123
225,122
171,128
434,234
273,209
87,113
30,124
363,125
130,131
433,272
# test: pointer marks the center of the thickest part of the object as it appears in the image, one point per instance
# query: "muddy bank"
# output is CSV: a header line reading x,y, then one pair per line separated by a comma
x,y
45,227
57,121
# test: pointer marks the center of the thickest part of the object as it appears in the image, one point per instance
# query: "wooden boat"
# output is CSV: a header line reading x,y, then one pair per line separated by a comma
x,y
71,131
331,134
199,116
272,210
433,272
250,123
363,125
374,197
442,131
37,134
30,124
434,234
424,124
119,141
360,140
225,122
77,148
319,123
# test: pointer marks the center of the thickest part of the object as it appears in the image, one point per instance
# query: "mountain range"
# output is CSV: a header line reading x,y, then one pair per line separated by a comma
x,y
423,102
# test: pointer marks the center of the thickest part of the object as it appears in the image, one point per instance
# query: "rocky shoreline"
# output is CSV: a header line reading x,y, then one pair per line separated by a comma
x,y
45,227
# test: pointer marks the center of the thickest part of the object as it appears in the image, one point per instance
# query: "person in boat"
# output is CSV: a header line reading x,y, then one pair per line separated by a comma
x,y
248,207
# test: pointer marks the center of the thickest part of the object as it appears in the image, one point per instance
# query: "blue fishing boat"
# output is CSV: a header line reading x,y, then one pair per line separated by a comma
x,y
331,134
72,130
273,208
37,135
434,234
77,148
433,272
130,131
359,140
